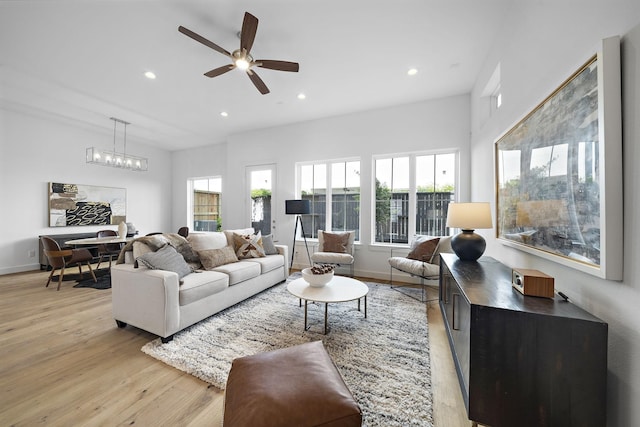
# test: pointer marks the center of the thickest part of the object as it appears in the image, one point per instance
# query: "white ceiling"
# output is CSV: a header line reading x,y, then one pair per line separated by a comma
x,y
85,60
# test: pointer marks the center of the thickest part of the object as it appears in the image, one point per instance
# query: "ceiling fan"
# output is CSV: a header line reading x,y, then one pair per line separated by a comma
x,y
241,58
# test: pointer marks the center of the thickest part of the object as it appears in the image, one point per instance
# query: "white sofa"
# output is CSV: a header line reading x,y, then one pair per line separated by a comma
x,y
158,302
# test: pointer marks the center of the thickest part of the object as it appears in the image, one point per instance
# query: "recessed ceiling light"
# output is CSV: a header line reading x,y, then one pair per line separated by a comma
x,y
412,71
150,75
224,114
302,96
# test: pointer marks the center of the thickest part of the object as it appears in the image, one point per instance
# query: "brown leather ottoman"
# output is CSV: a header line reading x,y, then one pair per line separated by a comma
x,y
296,386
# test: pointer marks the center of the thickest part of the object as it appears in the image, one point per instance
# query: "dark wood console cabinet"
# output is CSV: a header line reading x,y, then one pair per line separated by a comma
x,y
521,360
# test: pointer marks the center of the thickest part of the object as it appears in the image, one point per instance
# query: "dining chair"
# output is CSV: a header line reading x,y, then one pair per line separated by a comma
x,y
62,258
108,250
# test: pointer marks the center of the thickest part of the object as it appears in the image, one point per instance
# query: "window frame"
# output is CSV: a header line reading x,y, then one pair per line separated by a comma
x,y
328,213
412,191
190,200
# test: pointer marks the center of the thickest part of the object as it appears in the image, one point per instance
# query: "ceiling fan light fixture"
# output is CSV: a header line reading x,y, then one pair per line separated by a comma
x,y
241,59
242,64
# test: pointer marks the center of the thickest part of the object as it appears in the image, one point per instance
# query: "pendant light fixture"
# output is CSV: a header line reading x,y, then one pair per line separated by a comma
x,y
117,159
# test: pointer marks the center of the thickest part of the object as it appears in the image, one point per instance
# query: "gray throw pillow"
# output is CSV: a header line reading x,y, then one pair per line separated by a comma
x,y
166,258
268,245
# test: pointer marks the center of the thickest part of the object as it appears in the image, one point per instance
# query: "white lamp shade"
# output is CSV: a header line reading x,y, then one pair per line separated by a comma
x,y
469,216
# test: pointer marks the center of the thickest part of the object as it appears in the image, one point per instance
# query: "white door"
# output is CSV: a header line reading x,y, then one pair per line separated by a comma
x,y
261,198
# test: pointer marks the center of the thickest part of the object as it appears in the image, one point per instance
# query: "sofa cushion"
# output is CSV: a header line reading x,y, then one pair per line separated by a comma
x,y
248,245
268,263
197,286
166,258
332,258
412,266
239,271
202,241
212,258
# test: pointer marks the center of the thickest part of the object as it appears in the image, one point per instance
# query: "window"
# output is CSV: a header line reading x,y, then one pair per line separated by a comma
x,y
333,189
204,203
493,91
412,195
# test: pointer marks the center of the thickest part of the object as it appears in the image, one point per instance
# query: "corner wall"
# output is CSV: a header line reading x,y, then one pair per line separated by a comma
x,y
37,148
537,50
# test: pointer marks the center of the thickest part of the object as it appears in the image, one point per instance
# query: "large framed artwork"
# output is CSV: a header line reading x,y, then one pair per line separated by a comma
x,y
77,204
559,172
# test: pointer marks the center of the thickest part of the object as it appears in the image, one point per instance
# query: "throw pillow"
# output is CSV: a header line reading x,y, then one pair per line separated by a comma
x,y
424,250
335,242
212,258
248,246
183,247
268,245
166,258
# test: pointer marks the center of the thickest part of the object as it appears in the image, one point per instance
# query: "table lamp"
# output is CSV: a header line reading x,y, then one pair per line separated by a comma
x,y
467,245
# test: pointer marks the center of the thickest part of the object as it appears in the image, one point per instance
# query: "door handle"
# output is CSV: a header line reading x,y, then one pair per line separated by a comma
x,y
454,314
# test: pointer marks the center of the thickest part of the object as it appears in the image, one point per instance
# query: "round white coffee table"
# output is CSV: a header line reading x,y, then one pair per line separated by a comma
x,y
339,289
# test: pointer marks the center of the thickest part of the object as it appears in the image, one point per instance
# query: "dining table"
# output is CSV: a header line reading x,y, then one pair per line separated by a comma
x,y
93,241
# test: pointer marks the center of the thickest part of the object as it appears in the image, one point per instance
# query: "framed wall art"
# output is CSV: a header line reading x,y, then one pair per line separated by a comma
x,y
559,172
77,204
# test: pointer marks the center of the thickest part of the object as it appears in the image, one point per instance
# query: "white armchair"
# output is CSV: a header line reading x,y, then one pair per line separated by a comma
x,y
335,248
423,260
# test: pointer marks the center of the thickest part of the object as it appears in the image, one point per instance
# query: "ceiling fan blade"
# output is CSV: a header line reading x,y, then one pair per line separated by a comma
x,y
199,38
278,65
257,81
248,33
220,70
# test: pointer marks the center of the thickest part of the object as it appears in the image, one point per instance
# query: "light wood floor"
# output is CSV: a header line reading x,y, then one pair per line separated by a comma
x,y
63,362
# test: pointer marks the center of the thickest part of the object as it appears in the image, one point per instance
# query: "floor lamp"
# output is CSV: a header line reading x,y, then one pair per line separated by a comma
x,y
297,208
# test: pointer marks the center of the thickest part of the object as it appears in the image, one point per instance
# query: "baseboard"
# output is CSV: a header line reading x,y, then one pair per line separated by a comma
x,y
19,269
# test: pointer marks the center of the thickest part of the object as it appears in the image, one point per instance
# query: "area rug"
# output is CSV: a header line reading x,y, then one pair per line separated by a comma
x,y
103,277
384,358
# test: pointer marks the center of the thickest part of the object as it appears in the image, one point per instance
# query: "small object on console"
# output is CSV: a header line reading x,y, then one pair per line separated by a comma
x,y
532,282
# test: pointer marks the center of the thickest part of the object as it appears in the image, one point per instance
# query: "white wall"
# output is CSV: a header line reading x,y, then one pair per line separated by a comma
x,y
429,125
538,49
38,148
195,163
